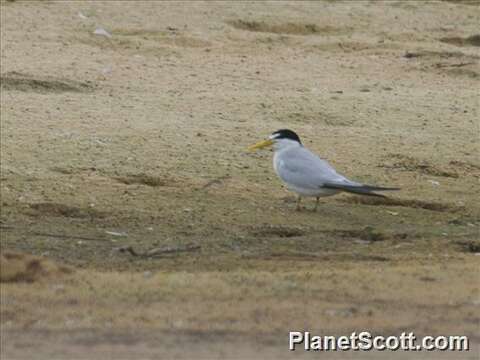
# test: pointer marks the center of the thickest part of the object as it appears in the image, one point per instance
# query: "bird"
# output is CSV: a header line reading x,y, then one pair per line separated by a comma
x,y
305,173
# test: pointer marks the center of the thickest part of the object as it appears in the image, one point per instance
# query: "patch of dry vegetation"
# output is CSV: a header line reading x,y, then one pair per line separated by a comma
x,y
409,163
473,40
247,301
143,179
17,267
464,2
411,203
285,28
41,84
57,209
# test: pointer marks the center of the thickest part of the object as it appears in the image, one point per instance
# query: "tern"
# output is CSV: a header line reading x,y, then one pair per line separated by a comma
x,y
306,174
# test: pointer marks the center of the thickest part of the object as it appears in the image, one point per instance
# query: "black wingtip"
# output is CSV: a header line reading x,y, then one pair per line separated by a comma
x,y
360,189
367,194
380,188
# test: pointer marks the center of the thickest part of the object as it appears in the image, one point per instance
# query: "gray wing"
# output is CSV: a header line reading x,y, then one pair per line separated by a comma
x,y
300,167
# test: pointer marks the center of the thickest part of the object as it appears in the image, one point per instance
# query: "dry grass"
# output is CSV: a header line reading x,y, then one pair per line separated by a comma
x,y
17,267
285,28
257,302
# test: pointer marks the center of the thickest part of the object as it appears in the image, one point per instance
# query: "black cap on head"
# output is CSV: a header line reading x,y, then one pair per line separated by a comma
x,y
286,134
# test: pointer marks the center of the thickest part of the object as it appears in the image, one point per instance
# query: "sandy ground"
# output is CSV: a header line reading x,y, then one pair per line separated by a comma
x,y
138,141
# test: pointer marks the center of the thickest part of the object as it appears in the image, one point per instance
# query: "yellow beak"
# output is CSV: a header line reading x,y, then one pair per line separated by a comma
x,y
260,145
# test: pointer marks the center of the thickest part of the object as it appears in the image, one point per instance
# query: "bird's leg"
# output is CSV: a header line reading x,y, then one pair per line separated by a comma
x,y
298,203
316,203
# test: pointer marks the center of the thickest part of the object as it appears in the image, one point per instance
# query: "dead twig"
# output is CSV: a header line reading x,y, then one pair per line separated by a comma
x,y
129,250
159,252
57,236
61,236
441,65
215,181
